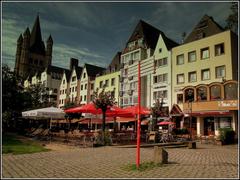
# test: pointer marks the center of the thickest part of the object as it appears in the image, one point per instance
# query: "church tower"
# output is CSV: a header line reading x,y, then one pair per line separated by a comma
x,y
31,55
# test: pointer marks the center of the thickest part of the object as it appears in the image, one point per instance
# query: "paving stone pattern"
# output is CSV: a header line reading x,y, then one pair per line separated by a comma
x,y
207,161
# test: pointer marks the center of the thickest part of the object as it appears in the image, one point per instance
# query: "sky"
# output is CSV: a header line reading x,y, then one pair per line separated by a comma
x,y
94,32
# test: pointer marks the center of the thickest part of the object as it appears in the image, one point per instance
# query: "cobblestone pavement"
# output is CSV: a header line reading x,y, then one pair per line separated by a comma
x,y
207,161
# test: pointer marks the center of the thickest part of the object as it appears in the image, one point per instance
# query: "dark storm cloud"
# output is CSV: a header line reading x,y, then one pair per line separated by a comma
x,y
94,32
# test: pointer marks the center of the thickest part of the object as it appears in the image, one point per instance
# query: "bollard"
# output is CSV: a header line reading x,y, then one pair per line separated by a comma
x,y
192,145
160,155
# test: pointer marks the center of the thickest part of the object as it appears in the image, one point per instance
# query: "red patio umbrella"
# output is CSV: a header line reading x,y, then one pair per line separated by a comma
x,y
134,110
90,108
87,108
165,123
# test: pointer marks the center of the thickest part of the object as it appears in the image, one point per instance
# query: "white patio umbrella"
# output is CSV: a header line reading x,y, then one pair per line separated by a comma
x,y
49,112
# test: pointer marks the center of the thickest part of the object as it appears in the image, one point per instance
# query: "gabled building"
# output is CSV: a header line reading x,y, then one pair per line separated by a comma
x,y
31,54
87,82
141,47
204,78
110,79
162,77
63,94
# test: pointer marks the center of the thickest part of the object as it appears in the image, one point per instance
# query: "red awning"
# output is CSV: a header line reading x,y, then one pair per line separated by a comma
x,y
95,121
125,119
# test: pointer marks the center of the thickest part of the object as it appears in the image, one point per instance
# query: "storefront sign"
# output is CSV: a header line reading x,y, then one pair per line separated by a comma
x,y
227,104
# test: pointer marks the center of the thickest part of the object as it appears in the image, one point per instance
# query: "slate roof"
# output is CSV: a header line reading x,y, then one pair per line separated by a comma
x,y
93,70
205,27
79,71
55,69
150,35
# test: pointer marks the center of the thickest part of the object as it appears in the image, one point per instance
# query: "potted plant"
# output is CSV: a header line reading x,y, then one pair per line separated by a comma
x,y
226,136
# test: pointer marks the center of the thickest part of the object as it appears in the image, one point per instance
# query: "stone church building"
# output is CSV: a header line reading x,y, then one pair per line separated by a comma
x,y
31,55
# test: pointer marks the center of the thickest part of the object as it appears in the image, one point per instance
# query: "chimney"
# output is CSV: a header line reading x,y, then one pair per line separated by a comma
x,y
73,62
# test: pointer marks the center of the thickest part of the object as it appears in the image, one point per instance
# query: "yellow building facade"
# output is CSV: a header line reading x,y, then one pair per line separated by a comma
x,y
208,69
110,82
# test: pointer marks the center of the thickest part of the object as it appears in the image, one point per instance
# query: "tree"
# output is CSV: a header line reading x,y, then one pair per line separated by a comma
x,y
103,100
232,19
14,99
157,111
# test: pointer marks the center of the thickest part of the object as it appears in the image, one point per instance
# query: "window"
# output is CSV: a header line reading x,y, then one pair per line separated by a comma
x,y
219,49
192,76
113,82
155,79
101,84
107,83
189,95
205,53
76,88
205,74
180,78
223,122
160,78
136,55
160,94
230,91
179,98
64,81
220,71
92,86
192,56
125,72
82,87
84,75
85,86
160,50
161,62
55,90
85,97
112,94
215,92
74,78
201,93
180,59
125,100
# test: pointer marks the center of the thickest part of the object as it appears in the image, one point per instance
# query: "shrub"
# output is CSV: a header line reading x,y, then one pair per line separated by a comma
x,y
226,135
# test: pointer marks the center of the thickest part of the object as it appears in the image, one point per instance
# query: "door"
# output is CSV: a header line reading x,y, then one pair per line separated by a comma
x,y
209,126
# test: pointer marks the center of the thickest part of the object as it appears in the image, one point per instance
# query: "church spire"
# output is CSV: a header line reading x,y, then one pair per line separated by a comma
x,y
36,36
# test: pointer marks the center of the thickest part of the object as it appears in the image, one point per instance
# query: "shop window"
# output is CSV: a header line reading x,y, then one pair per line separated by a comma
x,y
219,49
205,53
189,95
201,93
230,91
215,92
223,122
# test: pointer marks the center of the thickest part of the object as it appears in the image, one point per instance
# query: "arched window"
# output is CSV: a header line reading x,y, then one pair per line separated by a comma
x,y
202,93
189,95
215,92
230,91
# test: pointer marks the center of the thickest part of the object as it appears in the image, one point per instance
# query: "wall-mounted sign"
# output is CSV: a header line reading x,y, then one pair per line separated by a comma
x,y
227,104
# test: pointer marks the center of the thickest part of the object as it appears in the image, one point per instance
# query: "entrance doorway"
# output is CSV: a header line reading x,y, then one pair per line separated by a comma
x,y
209,126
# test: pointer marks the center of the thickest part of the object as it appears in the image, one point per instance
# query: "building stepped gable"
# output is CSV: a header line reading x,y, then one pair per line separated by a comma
x,y
205,27
93,70
36,43
115,63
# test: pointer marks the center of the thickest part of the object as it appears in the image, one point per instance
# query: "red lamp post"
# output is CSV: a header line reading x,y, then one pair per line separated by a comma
x,y
139,116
